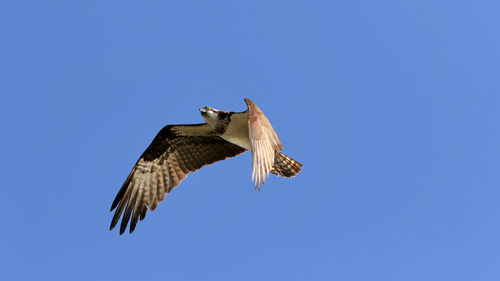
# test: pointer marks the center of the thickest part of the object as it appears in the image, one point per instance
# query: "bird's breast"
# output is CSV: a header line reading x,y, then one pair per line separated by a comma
x,y
237,130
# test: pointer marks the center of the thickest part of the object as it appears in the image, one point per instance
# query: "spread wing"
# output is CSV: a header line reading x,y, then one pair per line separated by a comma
x,y
263,141
174,152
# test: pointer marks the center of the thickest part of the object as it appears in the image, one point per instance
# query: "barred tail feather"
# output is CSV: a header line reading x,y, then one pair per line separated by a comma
x,y
285,166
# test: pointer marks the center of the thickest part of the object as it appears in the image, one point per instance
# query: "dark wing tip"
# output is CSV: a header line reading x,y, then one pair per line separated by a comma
x,y
123,189
132,228
116,217
115,203
123,226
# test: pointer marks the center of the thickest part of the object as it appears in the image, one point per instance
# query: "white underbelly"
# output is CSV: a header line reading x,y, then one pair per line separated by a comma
x,y
238,140
237,131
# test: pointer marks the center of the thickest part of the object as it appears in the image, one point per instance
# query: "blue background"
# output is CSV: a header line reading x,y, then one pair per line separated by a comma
x,y
392,107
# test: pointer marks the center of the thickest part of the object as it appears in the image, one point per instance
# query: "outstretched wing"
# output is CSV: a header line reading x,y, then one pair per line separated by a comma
x,y
263,141
174,152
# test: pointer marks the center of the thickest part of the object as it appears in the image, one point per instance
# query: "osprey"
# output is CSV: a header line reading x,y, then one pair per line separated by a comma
x,y
180,149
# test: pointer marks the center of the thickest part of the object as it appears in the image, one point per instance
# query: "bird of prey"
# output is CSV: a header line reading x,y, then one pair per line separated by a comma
x,y
180,149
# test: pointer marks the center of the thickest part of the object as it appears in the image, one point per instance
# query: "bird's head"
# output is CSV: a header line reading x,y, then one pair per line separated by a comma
x,y
217,119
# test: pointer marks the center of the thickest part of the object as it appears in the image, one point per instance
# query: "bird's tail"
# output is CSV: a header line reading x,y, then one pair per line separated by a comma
x,y
285,166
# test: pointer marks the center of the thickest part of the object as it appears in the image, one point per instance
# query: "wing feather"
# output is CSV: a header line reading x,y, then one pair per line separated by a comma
x,y
166,179
153,201
176,151
137,209
128,209
143,212
263,141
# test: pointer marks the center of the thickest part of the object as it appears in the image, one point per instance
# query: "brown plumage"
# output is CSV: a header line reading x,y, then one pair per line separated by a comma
x,y
285,166
180,149
171,156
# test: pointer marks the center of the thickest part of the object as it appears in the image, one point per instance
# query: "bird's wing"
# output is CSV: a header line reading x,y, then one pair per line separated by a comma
x,y
263,141
174,152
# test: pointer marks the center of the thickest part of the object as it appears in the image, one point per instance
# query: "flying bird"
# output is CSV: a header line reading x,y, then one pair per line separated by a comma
x,y
180,149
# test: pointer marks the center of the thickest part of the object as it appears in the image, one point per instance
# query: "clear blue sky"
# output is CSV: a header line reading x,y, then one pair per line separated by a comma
x,y
393,107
